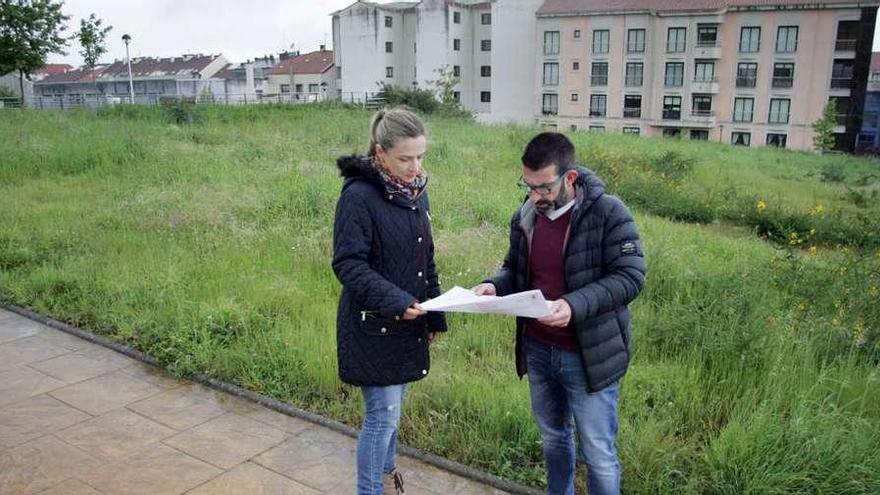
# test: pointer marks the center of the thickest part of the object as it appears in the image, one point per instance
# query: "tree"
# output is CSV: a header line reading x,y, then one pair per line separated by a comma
x,y
823,140
445,89
29,31
91,40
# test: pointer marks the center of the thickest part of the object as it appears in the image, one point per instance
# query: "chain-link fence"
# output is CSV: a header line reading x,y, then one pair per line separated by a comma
x,y
368,99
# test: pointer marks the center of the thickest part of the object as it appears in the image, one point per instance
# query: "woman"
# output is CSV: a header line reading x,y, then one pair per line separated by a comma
x,y
383,253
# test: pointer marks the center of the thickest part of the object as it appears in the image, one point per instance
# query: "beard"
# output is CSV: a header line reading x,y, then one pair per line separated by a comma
x,y
545,206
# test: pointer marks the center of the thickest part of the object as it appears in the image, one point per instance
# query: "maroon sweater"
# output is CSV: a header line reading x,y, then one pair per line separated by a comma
x,y
546,272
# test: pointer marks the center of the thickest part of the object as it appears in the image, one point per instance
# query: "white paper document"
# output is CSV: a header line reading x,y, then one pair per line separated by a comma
x,y
530,304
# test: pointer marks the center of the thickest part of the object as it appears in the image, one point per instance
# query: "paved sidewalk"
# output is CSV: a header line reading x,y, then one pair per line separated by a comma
x,y
77,418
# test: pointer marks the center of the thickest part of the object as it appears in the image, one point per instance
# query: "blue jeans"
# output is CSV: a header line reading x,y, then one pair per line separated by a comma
x,y
377,442
558,388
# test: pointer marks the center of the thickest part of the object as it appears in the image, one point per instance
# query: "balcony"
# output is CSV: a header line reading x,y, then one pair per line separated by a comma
x,y
705,85
632,113
671,114
702,117
597,113
598,80
845,45
842,119
632,82
673,82
841,82
707,49
783,82
746,81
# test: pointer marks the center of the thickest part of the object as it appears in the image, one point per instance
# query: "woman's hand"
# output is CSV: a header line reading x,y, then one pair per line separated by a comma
x,y
486,289
414,312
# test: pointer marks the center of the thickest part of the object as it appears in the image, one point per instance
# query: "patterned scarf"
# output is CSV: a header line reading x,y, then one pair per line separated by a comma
x,y
396,185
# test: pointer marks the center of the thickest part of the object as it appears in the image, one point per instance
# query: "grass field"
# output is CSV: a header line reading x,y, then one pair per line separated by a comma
x,y
207,245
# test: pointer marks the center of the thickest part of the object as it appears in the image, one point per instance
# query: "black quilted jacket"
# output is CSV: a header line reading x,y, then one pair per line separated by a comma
x,y
383,254
604,271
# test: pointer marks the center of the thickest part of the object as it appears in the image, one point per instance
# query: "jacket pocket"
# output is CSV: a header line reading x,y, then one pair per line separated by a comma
x,y
371,324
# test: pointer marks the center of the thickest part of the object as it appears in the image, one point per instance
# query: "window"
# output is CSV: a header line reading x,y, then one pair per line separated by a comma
x,y
777,140
575,97
707,35
575,66
779,110
456,95
485,19
598,105
750,39
486,45
285,88
632,106
634,73
746,75
841,74
313,88
456,17
701,106
843,104
456,71
577,34
485,71
741,138
674,74
298,88
601,40
389,47
786,39
389,71
597,128
635,41
599,76
631,130
456,44
675,39
550,104
743,108
551,42
551,74
783,75
672,107
671,132
415,50
485,96
388,21
704,71
699,135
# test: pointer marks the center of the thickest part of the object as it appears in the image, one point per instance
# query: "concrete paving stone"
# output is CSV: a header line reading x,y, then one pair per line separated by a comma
x,y
41,464
251,479
115,434
317,457
153,375
227,441
178,408
278,420
66,340
82,365
14,327
28,350
24,382
72,486
421,474
105,393
35,417
155,470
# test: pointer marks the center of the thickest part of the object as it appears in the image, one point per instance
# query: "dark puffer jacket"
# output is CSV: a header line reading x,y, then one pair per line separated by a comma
x,y
604,271
383,253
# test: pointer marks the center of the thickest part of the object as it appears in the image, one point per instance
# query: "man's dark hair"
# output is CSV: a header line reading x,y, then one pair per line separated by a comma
x,y
549,148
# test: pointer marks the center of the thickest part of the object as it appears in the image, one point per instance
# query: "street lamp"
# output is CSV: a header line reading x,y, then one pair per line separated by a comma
x,y
127,39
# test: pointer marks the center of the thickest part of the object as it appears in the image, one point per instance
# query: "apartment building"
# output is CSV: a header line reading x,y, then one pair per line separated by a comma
x,y
869,138
746,72
303,77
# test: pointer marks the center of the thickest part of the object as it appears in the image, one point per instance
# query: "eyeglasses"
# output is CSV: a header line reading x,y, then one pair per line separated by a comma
x,y
539,188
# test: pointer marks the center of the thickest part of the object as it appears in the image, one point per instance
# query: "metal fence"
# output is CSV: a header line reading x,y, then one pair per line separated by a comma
x,y
368,99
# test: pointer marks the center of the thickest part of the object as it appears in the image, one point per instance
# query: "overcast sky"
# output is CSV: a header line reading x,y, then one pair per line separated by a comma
x,y
238,29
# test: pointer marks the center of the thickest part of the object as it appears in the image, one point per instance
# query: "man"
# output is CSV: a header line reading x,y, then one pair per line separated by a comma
x,y
581,248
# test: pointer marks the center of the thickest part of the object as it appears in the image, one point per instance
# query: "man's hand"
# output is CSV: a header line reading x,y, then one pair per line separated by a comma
x,y
561,314
486,289
414,312
432,336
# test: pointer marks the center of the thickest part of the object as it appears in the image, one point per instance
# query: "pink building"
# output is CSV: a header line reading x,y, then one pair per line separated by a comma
x,y
748,72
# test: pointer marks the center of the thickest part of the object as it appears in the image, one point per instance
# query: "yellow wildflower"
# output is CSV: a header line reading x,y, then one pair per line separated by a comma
x,y
812,250
761,206
817,210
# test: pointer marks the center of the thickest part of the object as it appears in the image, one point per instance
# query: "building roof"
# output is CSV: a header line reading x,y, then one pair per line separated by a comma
x,y
577,7
310,63
52,69
81,75
875,61
185,65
